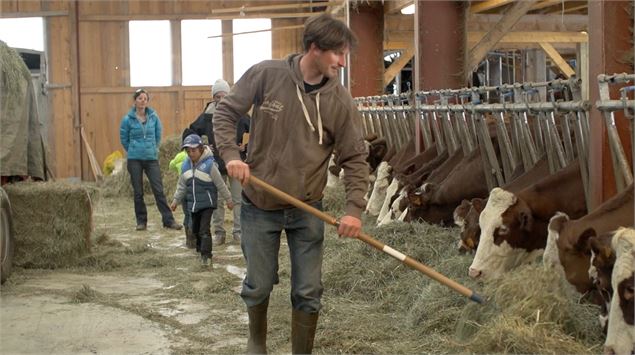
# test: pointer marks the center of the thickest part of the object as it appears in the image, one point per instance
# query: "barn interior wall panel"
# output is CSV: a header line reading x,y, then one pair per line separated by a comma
x,y
88,71
287,39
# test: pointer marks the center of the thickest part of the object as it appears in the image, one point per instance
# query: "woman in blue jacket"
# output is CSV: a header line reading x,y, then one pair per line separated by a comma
x,y
140,135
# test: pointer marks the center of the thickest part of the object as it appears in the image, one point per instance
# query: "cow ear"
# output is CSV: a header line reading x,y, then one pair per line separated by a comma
x,y
629,293
479,204
525,220
584,242
429,187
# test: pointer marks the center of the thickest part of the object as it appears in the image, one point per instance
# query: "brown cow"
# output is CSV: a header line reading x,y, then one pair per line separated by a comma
x,y
571,237
435,203
466,217
514,226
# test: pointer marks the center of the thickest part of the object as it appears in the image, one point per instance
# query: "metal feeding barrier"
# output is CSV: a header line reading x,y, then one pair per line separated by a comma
x,y
608,107
513,133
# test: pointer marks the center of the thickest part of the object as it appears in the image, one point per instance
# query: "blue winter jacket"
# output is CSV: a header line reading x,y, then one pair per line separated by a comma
x,y
141,141
200,186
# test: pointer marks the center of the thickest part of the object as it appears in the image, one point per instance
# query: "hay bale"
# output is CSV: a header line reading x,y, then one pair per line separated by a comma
x,y
52,221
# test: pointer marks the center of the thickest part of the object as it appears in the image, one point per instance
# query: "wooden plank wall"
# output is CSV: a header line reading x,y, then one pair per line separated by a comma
x,y
89,72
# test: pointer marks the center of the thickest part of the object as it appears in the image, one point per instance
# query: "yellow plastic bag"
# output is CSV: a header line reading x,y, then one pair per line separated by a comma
x,y
109,162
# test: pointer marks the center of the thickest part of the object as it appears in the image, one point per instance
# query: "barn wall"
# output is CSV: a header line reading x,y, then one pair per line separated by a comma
x,y
88,69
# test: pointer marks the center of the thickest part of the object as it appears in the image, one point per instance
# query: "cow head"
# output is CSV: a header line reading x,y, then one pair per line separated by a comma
x,y
550,257
620,338
376,152
506,221
568,250
575,257
602,261
467,216
419,197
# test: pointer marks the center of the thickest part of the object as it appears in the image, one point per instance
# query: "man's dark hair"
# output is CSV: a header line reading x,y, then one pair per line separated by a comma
x,y
327,33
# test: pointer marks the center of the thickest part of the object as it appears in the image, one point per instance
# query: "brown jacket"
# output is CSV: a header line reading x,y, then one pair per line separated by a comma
x,y
284,150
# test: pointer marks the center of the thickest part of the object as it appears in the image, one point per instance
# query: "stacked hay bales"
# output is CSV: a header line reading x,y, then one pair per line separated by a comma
x,y
119,184
52,221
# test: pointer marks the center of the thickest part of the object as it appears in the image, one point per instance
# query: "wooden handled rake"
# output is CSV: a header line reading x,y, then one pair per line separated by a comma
x,y
371,241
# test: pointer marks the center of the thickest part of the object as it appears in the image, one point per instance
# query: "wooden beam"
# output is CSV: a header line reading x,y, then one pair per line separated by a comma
x,y
177,60
228,51
531,22
488,5
400,39
395,6
396,45
534,37
245,9
33,14
497,33
571,9
194,16
557,59
546,3
397,65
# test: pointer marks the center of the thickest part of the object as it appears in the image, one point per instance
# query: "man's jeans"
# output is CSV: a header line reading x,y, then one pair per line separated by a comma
x,y
218,218
153,172
261,244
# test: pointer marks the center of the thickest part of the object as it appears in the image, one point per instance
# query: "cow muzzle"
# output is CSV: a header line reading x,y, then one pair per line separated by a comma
x,y
475,273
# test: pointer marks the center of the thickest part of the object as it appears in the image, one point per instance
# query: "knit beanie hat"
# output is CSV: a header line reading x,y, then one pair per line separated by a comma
x,y
220,85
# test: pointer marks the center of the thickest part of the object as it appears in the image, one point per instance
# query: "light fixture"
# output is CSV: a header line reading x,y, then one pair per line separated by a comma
x,y
408,10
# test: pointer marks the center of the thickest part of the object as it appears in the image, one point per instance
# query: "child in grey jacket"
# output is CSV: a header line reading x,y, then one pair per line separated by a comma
x,y
200,183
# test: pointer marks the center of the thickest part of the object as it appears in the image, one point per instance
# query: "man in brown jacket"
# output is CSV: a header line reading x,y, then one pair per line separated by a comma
x,y
301,114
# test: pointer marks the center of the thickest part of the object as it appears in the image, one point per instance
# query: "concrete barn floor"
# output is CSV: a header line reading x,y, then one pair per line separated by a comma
x,y
133,308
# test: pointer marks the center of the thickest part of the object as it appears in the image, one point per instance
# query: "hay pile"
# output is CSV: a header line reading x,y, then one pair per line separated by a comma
x,y
375,304
119,184
531,310
52,221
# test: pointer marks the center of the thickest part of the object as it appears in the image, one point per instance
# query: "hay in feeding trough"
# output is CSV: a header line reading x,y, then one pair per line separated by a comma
x,y
52,221
119,184
375,304
531,310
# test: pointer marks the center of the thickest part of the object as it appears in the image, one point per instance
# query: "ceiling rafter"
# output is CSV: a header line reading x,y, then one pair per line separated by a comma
x,y
557,59
491,38
395,6
487,5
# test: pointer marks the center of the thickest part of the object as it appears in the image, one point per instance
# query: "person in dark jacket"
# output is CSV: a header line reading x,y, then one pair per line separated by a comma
x,y
140,136
204,126
242,136
199,184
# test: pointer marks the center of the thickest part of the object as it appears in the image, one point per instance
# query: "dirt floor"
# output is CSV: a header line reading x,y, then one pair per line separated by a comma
x,y
137,293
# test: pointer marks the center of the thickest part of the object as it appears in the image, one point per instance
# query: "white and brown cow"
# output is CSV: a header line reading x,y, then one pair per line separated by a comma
x,y
466,216
514,226
378,194
620,338
568,240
